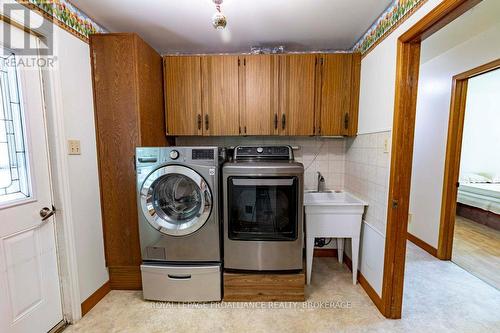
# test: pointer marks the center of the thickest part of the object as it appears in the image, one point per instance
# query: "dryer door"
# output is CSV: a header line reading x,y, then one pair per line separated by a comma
x,y
176,200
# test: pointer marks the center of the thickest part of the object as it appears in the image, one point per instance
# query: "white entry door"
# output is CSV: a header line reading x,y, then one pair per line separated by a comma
x,y
30,298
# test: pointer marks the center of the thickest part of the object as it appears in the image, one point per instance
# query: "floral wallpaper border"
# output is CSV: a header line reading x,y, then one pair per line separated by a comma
x,y
393,16
67,16
77,22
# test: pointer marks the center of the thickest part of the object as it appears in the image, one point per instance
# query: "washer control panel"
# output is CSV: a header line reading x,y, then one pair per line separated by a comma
x,y
202,154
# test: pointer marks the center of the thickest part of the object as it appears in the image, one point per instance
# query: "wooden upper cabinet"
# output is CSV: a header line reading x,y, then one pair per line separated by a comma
x,y
290,94
335,96
297,94
352,119
258,82
220,95
182,78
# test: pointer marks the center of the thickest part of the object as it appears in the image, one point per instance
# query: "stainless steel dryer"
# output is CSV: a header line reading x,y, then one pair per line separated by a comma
x,y
178,204
263,209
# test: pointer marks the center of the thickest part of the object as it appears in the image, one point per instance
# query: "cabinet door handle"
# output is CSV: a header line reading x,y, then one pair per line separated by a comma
x,y
206,122
245,130
275,121
346,120
283,121
199,121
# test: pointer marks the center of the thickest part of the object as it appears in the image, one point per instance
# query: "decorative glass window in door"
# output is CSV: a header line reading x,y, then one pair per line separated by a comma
x,y
14,175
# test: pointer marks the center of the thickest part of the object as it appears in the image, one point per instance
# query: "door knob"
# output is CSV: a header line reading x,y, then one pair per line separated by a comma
x,y
46,212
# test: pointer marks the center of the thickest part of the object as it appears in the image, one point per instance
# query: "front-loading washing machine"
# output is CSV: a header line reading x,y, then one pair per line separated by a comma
x,y
179,226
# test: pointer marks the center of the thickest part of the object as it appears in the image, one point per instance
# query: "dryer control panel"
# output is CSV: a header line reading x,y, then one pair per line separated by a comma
x,y
263,153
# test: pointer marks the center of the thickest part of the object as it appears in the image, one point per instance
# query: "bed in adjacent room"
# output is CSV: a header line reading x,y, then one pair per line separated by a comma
x,y
485,196
480,202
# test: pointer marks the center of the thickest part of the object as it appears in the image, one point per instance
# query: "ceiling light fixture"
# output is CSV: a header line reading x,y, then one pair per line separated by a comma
x,y
219,21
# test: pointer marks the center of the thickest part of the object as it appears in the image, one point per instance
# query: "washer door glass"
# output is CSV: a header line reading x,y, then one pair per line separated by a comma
x,y
176,200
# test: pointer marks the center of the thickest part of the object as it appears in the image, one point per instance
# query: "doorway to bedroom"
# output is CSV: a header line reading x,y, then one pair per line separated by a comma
x,y
454,201
476,235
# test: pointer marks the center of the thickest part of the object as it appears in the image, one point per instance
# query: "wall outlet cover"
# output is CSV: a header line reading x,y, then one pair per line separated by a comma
x,y
386,146
74,147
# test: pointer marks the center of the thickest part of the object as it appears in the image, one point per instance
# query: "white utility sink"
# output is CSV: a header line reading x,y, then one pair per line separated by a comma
x,y
337,215
331,198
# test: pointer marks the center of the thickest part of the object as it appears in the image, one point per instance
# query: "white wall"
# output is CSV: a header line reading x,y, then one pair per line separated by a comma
x,y
73,66
367,168
481,136
325,155
468,42
70,115
376,109
378,77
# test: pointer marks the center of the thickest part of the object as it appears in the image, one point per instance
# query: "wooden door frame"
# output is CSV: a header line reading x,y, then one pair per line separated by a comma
x,y
453,155
405,105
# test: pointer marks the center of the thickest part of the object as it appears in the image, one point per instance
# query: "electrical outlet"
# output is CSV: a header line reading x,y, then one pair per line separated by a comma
x,y
319,242
386,146
74,147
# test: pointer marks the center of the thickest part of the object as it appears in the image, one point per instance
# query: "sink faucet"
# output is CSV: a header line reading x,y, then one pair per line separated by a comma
x,y
321,180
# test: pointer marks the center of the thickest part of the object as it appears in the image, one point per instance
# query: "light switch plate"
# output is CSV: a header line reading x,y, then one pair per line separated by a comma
x,y
74,147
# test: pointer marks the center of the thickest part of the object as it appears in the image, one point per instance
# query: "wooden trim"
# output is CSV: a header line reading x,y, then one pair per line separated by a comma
x,y
483,69
457,11
451,169
423,245
264,287
363,282
16,24
408,61
453,154
325,253
370,291
407,70
93,299
440,16
125,277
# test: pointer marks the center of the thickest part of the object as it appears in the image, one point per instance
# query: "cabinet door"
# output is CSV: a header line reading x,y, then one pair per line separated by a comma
x,y
258,78
297,94
220,95
335,93
352,118
182,77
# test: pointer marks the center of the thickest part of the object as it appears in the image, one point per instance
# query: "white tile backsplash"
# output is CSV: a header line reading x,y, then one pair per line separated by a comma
x,y
358,165
367,175
326,155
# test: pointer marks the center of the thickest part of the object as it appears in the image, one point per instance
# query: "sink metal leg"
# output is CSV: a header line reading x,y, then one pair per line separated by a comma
x,y
340,250
355,256
309,257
